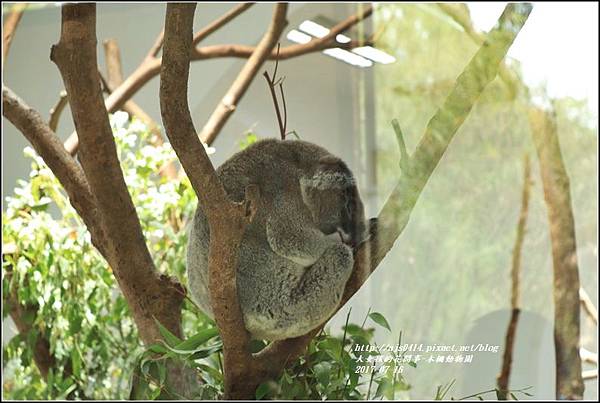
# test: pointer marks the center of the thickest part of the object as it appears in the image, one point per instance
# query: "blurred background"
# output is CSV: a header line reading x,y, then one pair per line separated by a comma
x,y
447,279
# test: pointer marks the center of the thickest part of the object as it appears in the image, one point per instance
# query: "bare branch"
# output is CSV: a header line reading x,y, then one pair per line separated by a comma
x,y
460,13
149,295
57,110
557,193
9,27
112,57
115,78
503,377
272,82
588,305
237,90
156,47
219,22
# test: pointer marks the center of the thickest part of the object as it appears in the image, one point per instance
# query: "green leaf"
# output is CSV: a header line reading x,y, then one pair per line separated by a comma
x,y
262,390
196,340
322,372
169,337
380,320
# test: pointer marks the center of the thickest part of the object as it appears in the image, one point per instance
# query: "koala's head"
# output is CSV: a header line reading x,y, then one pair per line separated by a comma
x,y
331,196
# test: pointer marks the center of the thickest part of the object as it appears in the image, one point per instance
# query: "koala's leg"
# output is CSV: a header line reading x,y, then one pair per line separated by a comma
x,y
291,236
320,289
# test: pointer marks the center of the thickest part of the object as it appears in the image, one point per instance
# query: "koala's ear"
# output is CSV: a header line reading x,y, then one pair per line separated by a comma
x,y
331,163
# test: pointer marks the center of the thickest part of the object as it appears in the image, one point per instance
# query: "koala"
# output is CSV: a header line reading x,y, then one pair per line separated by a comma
x,y
297,254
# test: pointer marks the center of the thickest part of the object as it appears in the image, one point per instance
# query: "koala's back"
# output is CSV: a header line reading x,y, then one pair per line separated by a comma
x,y
264,278
274,165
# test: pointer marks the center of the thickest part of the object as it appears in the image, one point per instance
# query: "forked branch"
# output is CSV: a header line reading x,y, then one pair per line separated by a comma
x,y
227,220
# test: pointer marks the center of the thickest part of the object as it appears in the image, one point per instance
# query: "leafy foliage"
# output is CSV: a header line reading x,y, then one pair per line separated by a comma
x,y
55,271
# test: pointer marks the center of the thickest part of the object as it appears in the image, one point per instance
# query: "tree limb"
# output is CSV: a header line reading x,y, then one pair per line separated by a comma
x,y
588,305
70,174
220,22
9,27
555,181
503,377
57,110
227,219
115,78
150,296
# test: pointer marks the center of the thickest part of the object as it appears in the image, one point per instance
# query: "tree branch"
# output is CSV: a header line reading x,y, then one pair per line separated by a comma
x,y
237,90
9,27
503,377
440,130
220,22
588,305
555,181
227,219
150,295
57,110
115,78
67,170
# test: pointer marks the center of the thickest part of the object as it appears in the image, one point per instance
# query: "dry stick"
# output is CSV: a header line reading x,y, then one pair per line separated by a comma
x,y
57,110
271,83
227,219
503,377
114,79
589,374
440,130
150,66
9,27
287,52
150,296
588,305
220,22
555,181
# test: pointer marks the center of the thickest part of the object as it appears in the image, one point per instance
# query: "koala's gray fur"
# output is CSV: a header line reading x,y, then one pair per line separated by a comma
x,y
296,255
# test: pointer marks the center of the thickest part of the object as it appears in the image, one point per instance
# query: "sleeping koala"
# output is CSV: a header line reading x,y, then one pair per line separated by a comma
x,y
296,255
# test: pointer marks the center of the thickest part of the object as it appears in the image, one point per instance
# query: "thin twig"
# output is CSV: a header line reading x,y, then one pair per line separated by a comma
x,y
503,377
57,110
272,82
219,22
588,305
